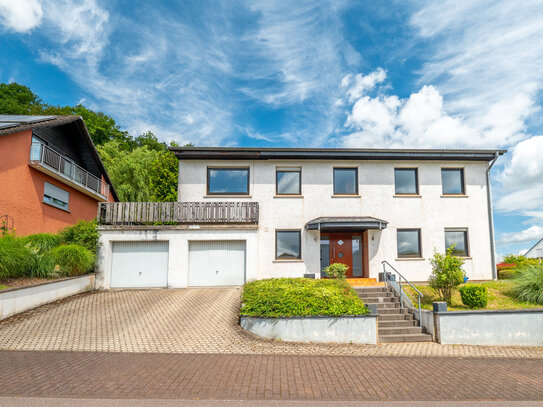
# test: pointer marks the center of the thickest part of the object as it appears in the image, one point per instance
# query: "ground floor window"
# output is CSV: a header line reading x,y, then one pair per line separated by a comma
x,y
409,243
288,244
56,196
458,240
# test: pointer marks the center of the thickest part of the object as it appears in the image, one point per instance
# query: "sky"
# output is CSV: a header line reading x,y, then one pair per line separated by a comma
x,y
443,74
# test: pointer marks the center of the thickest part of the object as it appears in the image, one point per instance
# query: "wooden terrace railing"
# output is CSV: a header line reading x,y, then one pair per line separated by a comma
x,y
141,213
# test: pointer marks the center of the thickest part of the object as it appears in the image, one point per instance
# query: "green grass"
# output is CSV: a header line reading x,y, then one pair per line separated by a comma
x,y
3,287
500,296
529,284
290,297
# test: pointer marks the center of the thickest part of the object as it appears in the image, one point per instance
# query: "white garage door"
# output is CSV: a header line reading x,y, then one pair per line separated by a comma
x,y
213,263
139,264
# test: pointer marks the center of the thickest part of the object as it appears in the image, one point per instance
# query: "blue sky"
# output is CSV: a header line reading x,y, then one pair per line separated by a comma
x,y
317,73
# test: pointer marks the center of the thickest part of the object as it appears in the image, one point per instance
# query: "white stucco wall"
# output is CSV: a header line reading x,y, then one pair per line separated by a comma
x,y
431,212
178,259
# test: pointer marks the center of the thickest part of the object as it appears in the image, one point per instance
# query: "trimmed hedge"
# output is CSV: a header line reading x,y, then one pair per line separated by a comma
x,y
290,297
474,295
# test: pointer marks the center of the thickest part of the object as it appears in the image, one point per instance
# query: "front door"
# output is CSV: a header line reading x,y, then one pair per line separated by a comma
x,y
341,250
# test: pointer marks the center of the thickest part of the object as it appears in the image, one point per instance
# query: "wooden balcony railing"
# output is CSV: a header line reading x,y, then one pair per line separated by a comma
x,y
142,213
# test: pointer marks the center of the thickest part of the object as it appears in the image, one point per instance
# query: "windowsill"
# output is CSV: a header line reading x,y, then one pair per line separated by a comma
x,y
346,196
228,196
407,196
289,196
288,261
54,206
410,259
454,196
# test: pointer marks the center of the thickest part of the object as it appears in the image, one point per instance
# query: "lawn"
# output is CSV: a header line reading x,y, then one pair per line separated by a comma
x,y
499,297
290,297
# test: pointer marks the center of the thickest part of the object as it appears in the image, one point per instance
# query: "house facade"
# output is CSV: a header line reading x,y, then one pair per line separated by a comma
x,y
303,209
50,172
536,252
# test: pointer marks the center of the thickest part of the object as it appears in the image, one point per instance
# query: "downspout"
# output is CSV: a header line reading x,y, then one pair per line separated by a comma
x,y
491,219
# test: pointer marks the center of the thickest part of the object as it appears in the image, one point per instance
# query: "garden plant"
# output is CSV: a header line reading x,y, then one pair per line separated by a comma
x,y
336,270
447,273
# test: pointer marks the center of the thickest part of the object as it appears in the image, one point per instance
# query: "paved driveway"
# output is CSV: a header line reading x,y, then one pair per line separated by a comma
x,y
183,321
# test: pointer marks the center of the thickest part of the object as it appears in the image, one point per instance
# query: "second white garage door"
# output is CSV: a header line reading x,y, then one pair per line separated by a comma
x,y
216,263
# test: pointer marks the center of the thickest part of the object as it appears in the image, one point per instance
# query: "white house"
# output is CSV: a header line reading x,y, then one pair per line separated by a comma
x,y
536,252
253,213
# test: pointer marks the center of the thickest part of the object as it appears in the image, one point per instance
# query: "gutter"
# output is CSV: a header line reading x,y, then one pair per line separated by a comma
x,y
491,218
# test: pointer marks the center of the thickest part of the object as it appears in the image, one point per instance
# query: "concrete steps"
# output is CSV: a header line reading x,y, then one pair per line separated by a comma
x,y
395,324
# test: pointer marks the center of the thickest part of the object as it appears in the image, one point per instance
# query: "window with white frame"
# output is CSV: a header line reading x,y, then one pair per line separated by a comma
x,y
55,196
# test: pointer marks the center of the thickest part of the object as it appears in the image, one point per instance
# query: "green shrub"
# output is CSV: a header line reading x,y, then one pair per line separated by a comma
x,y
15,257
514,259
287,297
336,270
83,233
72,259
447,273
474,295
42,242
528,284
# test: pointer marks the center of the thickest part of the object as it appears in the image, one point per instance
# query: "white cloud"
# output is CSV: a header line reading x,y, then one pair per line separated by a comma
x,y
357,85
20,15
528,235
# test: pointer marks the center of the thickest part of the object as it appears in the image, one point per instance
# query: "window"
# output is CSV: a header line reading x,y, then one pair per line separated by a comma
x,y
409,243
287,244
288,181
345,181
452,181
55,196
406,181
232,181
458,239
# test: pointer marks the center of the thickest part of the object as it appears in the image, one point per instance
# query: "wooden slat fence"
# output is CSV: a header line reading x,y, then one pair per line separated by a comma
x,y
141,213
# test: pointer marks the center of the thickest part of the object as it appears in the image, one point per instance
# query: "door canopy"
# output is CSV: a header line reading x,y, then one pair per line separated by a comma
x,y
346,224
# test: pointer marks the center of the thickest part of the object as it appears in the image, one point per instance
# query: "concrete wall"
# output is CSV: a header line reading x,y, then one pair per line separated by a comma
x,y
178,259
22,299
21,194
361,329
430,211
426,320
514,328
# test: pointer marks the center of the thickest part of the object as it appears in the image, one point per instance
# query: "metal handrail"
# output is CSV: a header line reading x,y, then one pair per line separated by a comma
x,y
67,168
385,272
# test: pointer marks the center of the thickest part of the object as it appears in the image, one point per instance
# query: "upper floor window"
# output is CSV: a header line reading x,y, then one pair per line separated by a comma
x,y
345,181
406,181
231,181
55,196
458,240
452,181
288,181
288,244
409,243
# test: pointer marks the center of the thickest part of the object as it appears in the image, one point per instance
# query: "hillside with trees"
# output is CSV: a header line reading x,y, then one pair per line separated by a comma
x,y
141,167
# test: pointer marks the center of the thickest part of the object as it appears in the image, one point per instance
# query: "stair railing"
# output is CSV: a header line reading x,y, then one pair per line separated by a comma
x,y
388,280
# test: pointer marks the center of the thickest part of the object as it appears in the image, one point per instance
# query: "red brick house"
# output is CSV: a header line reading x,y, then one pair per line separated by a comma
x,y
50,173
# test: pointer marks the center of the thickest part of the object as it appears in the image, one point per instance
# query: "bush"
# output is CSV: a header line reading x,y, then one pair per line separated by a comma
x,y
474,295
72,259
42,242
288,297
15,257
528,284
514,259
336,270
83,233
447,273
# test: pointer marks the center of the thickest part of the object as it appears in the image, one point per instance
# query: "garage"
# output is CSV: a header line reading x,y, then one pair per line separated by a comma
x,y
216,263
139,264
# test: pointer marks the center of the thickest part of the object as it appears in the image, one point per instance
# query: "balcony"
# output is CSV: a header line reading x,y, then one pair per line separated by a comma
x,y
175,213
52,163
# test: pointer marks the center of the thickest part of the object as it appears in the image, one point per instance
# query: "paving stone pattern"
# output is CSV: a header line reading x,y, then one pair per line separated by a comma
x,y
293,377
187,321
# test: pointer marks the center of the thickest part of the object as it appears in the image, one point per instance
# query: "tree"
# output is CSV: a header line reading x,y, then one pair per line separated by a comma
x,y
163,177
447,273
18,99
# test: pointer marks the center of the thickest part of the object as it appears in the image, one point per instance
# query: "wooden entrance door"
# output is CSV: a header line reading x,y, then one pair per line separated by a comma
x,y
341,250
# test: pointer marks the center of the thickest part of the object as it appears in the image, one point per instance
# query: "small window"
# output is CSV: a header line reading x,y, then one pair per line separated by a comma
x,y
452,181
345,181
287,244
409,243
231,181
458,240
55,196
406,181
288,181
